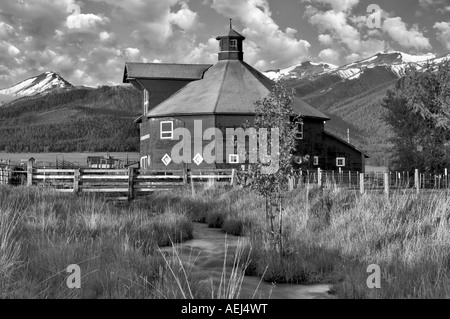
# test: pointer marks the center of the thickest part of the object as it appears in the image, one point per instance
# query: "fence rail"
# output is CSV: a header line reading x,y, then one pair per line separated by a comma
x,y
131,182
373,181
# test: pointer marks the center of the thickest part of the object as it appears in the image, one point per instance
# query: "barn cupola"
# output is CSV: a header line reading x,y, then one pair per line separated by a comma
x,y
231,45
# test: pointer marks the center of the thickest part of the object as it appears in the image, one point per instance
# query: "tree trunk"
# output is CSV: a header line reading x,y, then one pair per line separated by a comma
x,y
280,200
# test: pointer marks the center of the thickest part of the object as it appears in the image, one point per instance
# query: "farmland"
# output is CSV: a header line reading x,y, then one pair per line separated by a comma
x,y
330,237
78,158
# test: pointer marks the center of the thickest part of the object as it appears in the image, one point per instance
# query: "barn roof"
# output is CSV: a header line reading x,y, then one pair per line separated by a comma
x,y
233,34
345,142
164,71
228,87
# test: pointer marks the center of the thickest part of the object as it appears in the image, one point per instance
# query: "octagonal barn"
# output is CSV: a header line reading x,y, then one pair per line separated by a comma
x,y
197,97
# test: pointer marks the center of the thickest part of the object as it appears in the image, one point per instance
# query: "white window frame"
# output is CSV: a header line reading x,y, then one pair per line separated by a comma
x,y
144,162
299,135
233,159
235,46
340,159
316,160
161,132
146,101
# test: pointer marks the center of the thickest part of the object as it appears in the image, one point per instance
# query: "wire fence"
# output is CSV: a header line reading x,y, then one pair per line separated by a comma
x,y
373,180
368,181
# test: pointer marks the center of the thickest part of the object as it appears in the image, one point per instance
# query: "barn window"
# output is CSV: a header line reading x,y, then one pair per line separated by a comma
x,y
233,45
166,130
146,101
299,135
234,159
340,161
316,160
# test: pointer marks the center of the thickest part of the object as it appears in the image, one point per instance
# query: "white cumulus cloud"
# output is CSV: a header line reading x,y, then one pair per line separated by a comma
x,y
330,56
408,38
277,47
443,33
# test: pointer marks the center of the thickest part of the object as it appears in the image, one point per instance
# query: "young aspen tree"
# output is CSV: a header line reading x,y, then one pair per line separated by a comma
x,y
275,113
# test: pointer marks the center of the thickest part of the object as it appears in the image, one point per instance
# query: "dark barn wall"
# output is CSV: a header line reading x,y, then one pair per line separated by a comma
x,y
312,142
333,148
230,121
160,91
315,143
156,148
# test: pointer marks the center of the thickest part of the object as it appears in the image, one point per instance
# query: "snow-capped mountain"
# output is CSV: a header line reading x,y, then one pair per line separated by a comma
x,y
352,95
394,61
300,70
38,84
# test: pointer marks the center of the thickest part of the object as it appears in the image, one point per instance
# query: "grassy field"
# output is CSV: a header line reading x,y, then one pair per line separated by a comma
x,y
330,236
50,158
43,232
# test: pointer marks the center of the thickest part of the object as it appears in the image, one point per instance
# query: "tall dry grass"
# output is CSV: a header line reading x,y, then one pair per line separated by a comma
x,y
118,248
332,235
43,232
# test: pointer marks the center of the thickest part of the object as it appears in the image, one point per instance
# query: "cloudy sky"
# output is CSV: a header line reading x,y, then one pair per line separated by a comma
x,y
87,42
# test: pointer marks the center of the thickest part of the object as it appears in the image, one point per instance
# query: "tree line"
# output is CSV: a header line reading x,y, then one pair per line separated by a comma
x,y
418,111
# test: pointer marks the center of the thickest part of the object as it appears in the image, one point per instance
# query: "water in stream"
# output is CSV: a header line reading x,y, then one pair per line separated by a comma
x,y
206,252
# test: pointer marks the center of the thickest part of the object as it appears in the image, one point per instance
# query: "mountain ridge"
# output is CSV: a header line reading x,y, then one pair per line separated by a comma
x,y
43,82
352,95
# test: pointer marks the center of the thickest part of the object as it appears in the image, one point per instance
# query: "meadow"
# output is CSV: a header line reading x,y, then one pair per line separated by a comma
x,y
330,236
79,158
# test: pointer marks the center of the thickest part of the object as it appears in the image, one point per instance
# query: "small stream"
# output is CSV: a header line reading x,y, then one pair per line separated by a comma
x,y
205,254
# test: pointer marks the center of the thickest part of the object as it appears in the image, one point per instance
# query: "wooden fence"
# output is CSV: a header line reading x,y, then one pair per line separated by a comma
x,y
5,174
373,181
120,183
132,182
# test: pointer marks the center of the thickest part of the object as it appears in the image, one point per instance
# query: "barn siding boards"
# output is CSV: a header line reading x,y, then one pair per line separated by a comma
x,y
312,142
159,90
230,121
334,148
315,142
156,148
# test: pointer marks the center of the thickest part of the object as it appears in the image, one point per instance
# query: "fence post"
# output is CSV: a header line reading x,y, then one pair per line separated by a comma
x,y
8,174
130,183
192,185
184,176
386,183
76,180
416,181
446,178
232,177
291,183
300,179
319,177
349,179
361,183
30,164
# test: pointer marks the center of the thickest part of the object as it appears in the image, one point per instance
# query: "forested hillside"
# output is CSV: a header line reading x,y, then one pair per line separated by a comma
x,y
78,119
